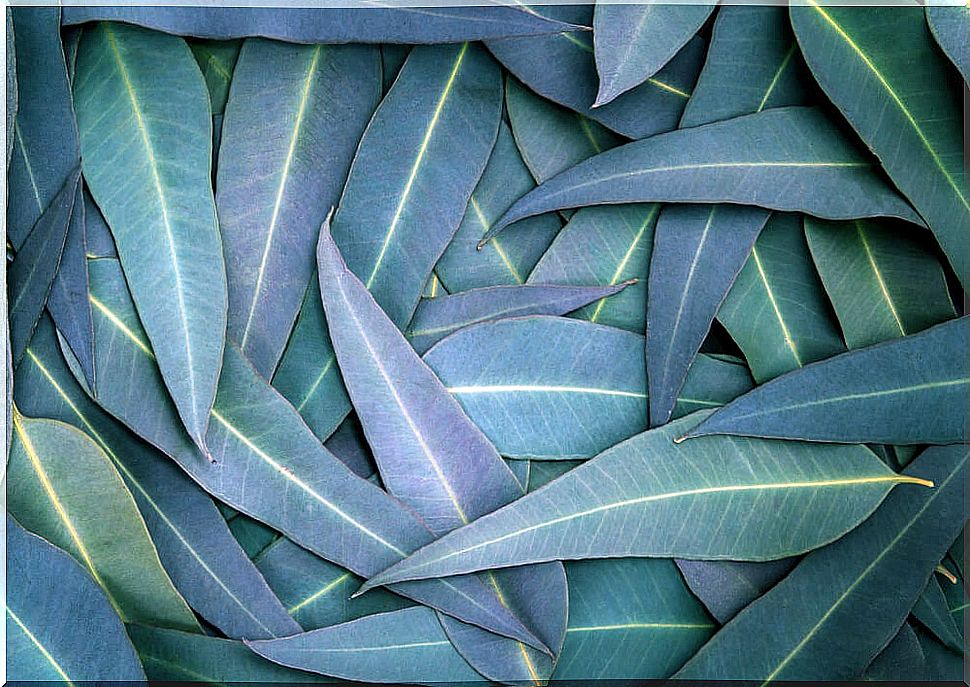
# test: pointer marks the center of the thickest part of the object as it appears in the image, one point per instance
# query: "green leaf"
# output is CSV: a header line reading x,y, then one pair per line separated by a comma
x,y
951,29
650,497
776,310
275,188
880,67
902,658
157,198
882,282
217,60
629,619
60,625
62,486
932,610
632,42
417,165
904,391
552,388
837,613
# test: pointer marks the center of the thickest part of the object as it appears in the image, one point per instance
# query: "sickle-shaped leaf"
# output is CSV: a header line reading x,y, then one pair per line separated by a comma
x,y
633,42
752,65
193,543
405,646
549,137
217,60
35,266
331,24
725,587
45,143
902,656
808,167
463,266
415,170
436,318
157,199
11,84
173,656
882,70
267,460
837,614
698,251
62,486
656,498
905,391
287,142
629,619
776,310
554,388
951,29
652,107
882,282
606,246
932,610
434,459
97,235
60,625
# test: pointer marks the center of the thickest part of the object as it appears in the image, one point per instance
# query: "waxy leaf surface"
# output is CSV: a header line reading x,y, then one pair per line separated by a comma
x,y
725,587
951,29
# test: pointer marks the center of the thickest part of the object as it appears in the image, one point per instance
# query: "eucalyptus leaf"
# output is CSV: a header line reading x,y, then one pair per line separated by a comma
x,y
951,29
97,235
158,199
904,391
656,498
11,85
838,615
725,587
281,128
392,59
809,166
217,60
633,42
932,610
902,656
349,445
882,70
941,663
60,625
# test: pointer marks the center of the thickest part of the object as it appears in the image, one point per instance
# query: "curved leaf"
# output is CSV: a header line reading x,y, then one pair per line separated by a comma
x,y
418,163
60,626
552,388
882,282
932,610
605,246
725,587
650,497
288,139
905,391
11,86
633,42
837,614
951,29
882,70
63,487
902,656
809,167
97,235
330,24
157,198
45,140
649,109
776,311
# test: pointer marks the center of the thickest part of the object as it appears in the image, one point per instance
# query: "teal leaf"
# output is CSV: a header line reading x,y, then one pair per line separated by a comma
x,y
417,165
629,619
349,445
552,388
901,659
809,167
97,235
941,663
951,29
904,391
288,139
217,60
882,70
11,86
932,610
633,42
838,615
776,311
392,59
656,498
606,246
60,625
725,587
883,282
157,198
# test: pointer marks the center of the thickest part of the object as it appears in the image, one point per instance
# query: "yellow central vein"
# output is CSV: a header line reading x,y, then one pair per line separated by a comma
x,y
483,221
121,326
40,647
422,150
642,626
777,76
27,165
59,508
879,277
588,130
288,475
789,341
896,99
522,650
284,177
618,273
189,366
386,647
316,384
326,589
541,388
734,488
667,87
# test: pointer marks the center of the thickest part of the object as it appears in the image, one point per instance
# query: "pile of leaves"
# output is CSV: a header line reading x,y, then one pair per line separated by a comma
x,y
486,343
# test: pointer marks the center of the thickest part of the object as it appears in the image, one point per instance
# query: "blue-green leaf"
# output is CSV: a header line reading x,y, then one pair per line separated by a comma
x,y
217,60
902,658
951,29
725,587
932,610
